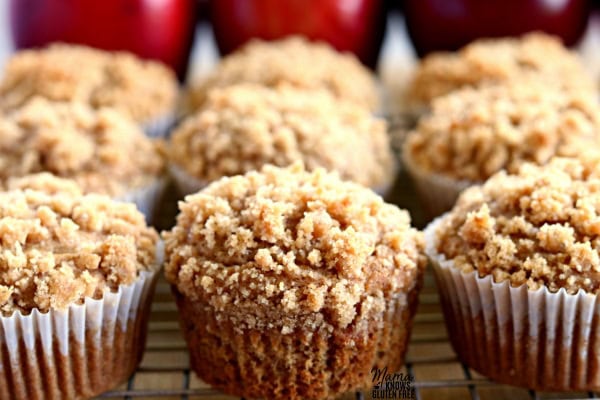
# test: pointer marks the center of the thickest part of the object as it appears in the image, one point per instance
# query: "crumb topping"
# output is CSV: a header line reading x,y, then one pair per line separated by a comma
x,y
540,227
60,72
243,127
102,150
499,60
295,61
44,182
472,133
280,246
57,249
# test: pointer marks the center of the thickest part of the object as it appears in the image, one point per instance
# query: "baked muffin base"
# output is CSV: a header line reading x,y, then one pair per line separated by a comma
x,y
305,364
536,339
78,352
438,193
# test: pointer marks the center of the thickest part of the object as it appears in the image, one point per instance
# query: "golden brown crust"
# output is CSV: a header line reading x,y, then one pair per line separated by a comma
x,y
498,60
295,61
102,150
243,127
144,89
285,248
472,133
540,227
56,249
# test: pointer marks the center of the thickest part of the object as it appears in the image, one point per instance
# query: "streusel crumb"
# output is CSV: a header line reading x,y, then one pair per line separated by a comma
x,y
44,182
540,227
472,133
499,60
295,61
57,249
60,72
102,150
283,248
243,127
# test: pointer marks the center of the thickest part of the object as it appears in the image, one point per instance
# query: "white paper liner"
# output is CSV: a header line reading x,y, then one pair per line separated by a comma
x,y
77,352
146,198
159,127
385,189
438,193
186,184
531,338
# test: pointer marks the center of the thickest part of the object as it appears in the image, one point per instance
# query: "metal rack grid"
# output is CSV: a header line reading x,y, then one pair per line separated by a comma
x,y
165,373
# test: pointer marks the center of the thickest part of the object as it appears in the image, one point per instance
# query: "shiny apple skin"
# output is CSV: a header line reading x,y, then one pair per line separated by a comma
x,y
162,30
356,26
450,24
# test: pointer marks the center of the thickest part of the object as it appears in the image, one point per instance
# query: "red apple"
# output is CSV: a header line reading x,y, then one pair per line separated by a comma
x,y
348,25
155,29
450,24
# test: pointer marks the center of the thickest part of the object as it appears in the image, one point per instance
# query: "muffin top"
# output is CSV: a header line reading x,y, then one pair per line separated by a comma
x,y
44,182
498,60
472,133
56,249
286,248
60,72
102,150
296,61
539,227
242,127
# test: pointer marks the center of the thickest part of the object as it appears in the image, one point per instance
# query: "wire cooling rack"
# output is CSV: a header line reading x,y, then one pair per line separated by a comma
x,y
438,375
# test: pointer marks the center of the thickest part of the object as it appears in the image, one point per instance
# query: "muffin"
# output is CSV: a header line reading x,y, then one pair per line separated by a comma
x,y
43,182
473,133
496,61
243,127
146,90
293,284
76,282
102,150
517,267
296,61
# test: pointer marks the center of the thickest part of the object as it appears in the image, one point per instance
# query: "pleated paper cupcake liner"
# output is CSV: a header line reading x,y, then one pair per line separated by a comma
x,y
146,198
531,338
185,183
438,193
78,352
384,189
159,127
301,364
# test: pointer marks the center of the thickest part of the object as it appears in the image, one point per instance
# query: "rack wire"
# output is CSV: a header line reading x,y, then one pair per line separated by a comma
x,y
438,374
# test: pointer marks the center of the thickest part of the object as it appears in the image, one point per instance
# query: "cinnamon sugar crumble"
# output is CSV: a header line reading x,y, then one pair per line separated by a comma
x,y
473,133
540,227
295,61
242,127
499,60
56,249
287,248
44,182
60,72
102,150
